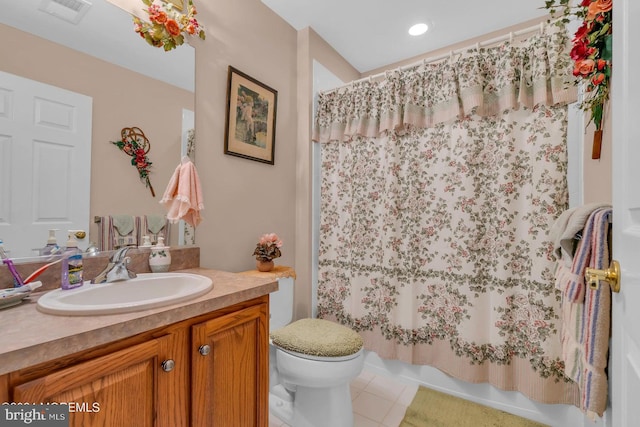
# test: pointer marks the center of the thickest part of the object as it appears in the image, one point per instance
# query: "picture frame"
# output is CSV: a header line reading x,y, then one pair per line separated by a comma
x,y
250,130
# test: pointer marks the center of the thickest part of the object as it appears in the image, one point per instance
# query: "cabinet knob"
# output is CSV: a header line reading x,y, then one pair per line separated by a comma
x,y
204,349
168,365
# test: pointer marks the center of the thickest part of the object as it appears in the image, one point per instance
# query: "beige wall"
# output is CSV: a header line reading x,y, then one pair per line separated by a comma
x,y
598,174
121,98
310,47
243,198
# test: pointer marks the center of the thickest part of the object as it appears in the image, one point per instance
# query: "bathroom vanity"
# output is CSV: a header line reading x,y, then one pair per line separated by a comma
x,y
203,362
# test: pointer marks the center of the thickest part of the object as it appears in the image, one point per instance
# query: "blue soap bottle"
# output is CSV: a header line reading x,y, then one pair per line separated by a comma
x,y
71,265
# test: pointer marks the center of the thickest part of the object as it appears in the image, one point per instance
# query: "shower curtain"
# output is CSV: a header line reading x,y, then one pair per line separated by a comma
x,y
438,187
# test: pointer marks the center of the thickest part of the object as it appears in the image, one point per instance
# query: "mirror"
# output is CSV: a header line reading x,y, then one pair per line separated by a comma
x,y
130,83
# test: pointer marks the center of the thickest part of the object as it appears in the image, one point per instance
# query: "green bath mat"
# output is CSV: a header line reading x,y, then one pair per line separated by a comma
x,y
431,408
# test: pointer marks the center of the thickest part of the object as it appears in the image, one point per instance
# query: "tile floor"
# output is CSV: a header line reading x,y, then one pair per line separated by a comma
x,y
378,401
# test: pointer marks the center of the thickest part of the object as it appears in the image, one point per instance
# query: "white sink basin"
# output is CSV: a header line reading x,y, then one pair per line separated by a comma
x,y
148,290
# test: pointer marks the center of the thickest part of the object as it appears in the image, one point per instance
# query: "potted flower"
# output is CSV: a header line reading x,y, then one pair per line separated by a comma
x,y
267,249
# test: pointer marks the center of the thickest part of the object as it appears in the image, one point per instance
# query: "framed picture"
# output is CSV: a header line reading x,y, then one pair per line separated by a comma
x,y
251,118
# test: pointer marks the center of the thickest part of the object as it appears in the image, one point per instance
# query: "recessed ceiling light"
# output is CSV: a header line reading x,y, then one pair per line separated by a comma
x,y
418,29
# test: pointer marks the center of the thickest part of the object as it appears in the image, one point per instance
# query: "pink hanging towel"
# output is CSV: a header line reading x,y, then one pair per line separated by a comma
x,y
183,196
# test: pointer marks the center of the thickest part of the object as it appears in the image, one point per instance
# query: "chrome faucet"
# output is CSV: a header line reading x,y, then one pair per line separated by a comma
x,y
116,269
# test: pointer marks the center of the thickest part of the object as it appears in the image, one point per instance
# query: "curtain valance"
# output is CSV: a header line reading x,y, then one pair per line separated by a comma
x,y
484,81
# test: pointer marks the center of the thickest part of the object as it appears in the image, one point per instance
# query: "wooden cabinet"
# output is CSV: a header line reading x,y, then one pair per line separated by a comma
x,y
211,370
232,351
99,385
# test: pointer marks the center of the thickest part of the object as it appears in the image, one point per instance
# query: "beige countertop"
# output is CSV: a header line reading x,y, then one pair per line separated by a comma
x,y
29,337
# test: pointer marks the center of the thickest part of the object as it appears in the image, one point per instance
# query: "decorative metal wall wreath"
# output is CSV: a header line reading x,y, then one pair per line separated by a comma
x,y
134,143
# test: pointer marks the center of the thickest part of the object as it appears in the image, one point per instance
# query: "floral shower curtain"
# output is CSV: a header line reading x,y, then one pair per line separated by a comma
x,y
438,187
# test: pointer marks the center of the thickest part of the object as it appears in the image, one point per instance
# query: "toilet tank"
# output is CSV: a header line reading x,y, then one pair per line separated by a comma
x,y
281,304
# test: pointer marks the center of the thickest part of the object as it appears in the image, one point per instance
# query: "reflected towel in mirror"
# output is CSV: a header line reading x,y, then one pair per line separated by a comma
x,y
116,231
154,225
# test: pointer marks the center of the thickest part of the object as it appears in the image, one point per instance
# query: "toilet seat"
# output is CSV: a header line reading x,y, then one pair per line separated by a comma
x,y
318,339
318,358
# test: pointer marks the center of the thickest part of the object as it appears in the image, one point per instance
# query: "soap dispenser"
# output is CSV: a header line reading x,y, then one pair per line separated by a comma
x,y
160,257
52,244
146,241
71,265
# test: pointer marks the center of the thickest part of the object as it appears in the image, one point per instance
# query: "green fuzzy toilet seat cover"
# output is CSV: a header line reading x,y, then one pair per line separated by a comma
x,y
317,337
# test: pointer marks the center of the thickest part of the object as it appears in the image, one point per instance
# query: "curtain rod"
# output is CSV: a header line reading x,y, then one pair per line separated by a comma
x,y
534,28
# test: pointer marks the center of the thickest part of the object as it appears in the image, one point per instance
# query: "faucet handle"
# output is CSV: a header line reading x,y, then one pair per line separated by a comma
x,y
119,271
116,269
125,263
120,254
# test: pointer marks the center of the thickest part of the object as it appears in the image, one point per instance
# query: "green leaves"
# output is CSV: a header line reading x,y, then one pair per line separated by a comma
x,y
607,52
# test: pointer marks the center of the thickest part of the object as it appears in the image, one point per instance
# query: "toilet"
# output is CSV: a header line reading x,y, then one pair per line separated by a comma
x,y
311,363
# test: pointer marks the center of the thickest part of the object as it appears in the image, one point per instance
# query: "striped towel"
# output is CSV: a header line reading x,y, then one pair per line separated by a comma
x,y
571,280
116,231
154,226
569,224
586,321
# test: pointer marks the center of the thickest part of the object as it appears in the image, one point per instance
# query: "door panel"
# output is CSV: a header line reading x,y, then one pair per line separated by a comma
x,y
45,155
119,389
230,382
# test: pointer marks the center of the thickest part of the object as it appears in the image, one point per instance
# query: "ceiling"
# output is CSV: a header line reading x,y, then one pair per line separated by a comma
x,y
106,32
371,34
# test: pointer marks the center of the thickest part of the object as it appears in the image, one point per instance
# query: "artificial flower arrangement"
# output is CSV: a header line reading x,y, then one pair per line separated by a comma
x,y
591,50
135,144
167,25
268,247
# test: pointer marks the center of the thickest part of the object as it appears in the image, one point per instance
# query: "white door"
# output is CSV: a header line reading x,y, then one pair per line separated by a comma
x,y
626,215
45,163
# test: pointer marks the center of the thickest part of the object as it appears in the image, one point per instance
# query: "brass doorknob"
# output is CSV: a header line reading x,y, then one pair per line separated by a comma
x,y
611,275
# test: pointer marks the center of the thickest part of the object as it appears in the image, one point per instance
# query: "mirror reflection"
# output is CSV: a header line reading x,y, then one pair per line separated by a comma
x,y
128,83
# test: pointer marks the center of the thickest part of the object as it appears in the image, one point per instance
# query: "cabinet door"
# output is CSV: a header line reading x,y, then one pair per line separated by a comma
x,y
230,377
119,389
